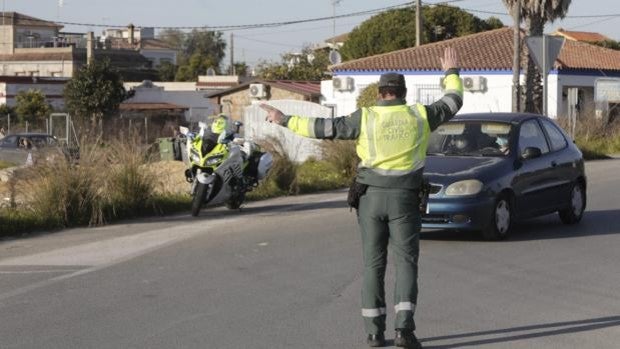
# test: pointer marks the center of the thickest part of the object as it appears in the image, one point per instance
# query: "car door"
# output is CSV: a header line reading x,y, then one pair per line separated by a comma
x,y
563,164
534,181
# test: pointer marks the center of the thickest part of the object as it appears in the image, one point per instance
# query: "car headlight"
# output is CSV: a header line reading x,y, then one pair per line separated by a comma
x,y
466,187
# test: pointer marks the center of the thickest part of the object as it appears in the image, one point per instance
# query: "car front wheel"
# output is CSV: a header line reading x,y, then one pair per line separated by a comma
x,y
576,206
500,220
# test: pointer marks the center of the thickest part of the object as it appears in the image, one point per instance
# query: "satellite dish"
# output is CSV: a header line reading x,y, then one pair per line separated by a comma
x,y
335,57
210,72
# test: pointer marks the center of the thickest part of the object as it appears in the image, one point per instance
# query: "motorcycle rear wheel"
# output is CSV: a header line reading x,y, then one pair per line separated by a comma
x,y
199,197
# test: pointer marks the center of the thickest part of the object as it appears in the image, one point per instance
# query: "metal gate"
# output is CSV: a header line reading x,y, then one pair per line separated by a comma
x,y
298,148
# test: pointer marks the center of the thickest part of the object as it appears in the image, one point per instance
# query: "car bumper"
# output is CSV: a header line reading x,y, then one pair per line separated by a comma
x,y
458,213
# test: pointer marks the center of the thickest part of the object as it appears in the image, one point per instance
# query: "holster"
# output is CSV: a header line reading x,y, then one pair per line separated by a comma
x,y
356,190
423,193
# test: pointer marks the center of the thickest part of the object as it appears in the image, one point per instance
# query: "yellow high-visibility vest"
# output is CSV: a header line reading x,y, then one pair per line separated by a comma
x,y
393,139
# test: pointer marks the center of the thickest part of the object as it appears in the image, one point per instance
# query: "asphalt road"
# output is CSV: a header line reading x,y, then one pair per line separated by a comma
x,y
286,273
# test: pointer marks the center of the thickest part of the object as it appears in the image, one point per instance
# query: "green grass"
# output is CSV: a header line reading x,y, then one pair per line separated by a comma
x,y
599,147
4,164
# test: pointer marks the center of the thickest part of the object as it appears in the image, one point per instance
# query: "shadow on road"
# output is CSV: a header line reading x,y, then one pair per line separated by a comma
x,y
543,228
512,334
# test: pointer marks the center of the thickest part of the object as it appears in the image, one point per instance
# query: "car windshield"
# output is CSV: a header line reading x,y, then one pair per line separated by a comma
x,y
472,138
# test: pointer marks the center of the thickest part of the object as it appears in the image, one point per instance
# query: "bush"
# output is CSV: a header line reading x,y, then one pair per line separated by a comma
x,y
342,156
283,170
315,175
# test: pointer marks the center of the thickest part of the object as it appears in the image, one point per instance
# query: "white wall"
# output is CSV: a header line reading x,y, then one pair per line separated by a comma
x,y
425,88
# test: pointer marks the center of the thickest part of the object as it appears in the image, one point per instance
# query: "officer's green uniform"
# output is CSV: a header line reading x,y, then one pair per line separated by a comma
x,y
391,142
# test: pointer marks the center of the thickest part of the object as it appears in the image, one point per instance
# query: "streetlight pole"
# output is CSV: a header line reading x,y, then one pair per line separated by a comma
x,y
516,59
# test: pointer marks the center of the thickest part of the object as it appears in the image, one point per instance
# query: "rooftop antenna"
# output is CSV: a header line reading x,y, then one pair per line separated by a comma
x,y
334,55
61,3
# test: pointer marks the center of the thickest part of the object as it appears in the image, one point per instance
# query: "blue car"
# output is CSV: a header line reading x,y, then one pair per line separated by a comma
x,y
488,170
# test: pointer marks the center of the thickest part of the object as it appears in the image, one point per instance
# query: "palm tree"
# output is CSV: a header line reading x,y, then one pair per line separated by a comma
x,y
535,13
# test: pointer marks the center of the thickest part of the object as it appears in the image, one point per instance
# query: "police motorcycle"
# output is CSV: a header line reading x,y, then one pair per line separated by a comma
x,y
221,166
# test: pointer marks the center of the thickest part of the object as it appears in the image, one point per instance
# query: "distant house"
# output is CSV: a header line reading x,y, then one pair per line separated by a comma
x,y
143,40
580,36
233,101
192,104
486,69
34,47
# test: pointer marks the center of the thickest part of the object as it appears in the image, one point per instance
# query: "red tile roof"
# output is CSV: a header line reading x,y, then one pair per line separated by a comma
x,y
581,36
490,50
307,88
302,87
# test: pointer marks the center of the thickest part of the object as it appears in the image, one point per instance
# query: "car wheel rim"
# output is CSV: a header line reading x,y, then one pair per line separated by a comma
x,y
577,200
502,217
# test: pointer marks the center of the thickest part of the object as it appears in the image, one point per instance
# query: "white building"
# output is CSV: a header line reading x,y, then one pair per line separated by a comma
x,y
197,106
142,40
486,67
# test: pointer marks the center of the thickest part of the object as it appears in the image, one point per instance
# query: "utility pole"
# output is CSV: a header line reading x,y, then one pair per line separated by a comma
x,y
418,23
516,58
232,55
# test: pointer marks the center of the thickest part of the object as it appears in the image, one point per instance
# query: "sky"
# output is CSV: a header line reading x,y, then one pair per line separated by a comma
x,y
260,44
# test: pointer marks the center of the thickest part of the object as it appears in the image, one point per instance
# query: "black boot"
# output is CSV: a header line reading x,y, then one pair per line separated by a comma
x,y
376,340
406,339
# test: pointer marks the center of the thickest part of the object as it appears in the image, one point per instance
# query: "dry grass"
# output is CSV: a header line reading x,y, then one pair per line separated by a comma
x,y
596,138
342,156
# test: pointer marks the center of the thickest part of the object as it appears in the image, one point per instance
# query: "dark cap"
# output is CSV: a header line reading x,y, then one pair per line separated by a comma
x,y
392,79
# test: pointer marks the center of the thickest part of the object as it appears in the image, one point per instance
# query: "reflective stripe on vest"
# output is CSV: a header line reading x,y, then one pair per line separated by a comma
x,y
393,139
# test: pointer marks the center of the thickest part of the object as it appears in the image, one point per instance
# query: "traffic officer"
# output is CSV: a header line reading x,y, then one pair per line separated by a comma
x,y
391,141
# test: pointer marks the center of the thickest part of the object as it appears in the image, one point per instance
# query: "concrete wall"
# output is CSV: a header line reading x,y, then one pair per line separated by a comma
x,y
47,68
7,38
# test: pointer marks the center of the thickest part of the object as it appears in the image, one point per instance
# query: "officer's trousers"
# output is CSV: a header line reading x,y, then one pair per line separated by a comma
x,y
389,215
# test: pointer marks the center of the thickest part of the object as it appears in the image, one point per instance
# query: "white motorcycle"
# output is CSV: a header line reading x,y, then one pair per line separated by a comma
x,y
222,172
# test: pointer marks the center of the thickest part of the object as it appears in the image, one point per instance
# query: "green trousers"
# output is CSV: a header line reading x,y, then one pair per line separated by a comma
x,y
391,216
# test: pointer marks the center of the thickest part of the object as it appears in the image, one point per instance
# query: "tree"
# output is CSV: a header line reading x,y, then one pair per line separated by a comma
x,y
6,110
31,106
611,44
368,96
198,51
95,92
395,29
241,69
197,65
307,65
535,13
166,71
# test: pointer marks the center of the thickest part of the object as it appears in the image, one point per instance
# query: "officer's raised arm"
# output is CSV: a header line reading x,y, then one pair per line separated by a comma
x,y
445,108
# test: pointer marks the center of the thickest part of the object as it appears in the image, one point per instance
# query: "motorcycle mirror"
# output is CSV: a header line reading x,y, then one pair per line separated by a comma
x,y
202,124
183,130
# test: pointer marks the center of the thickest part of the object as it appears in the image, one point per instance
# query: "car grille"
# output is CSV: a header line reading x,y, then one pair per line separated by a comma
x,y
435,218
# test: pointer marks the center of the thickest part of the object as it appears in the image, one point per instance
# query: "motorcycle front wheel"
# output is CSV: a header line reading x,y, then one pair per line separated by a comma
x,y
199,198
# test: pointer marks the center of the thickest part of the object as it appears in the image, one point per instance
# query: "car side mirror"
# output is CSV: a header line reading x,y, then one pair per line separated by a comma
x,y
531,153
